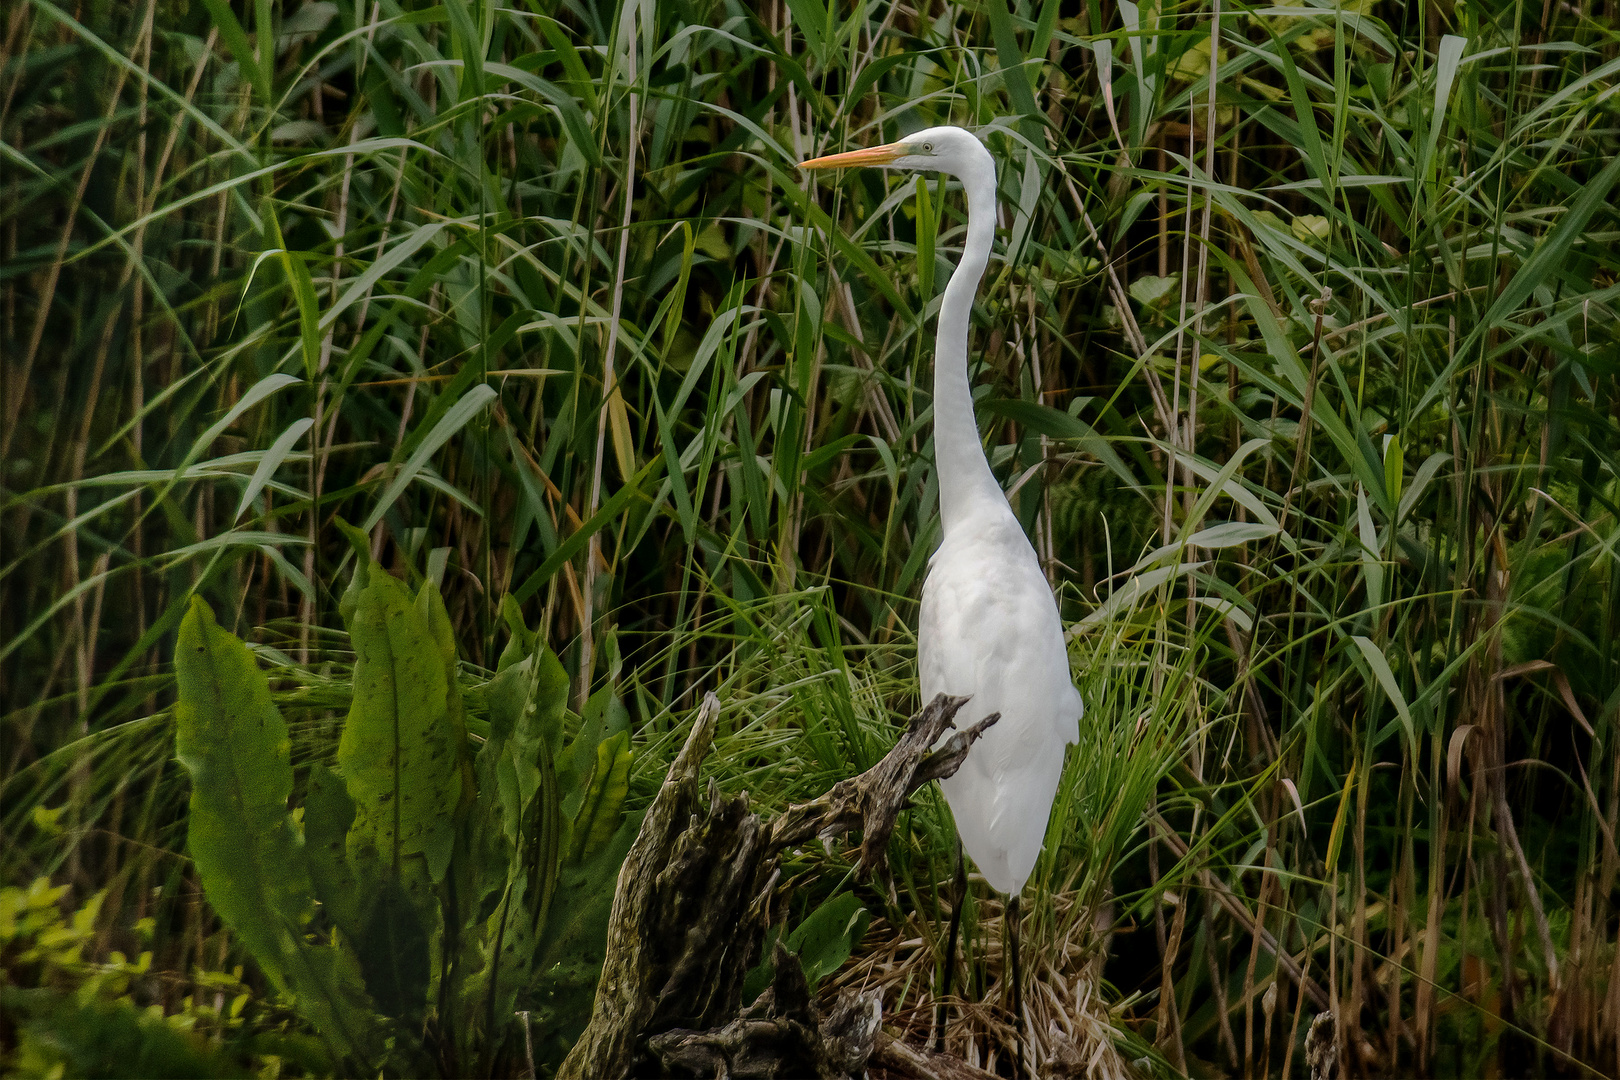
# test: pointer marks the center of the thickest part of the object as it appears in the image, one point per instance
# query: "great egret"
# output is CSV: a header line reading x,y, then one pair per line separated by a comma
x,y
989,627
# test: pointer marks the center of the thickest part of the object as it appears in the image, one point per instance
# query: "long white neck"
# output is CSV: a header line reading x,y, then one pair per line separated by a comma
x,y
965,480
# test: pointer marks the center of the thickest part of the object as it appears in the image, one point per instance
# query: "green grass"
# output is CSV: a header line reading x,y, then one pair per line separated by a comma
x,y
1315,422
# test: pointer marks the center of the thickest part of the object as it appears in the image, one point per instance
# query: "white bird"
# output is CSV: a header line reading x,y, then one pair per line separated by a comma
x,y
990,628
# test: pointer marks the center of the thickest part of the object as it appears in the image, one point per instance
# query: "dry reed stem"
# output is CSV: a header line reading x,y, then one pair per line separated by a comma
x,y
1065,1011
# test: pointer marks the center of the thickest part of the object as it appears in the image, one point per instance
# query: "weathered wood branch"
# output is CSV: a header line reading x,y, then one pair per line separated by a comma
x,y
781,1034
691,907
901,1059
873,800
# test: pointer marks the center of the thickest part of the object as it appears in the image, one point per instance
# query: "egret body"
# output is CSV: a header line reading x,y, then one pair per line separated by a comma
x,y
989,629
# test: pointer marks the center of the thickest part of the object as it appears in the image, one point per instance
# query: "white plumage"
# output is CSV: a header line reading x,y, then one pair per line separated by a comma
x,y
989,628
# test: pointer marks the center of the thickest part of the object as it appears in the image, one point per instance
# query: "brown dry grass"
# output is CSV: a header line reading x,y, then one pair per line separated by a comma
x,y
1069,1027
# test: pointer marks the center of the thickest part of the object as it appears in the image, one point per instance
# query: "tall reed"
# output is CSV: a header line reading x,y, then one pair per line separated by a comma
x,y
1297,356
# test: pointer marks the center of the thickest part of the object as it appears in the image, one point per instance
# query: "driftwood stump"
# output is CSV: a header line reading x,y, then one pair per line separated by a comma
x,y
692,904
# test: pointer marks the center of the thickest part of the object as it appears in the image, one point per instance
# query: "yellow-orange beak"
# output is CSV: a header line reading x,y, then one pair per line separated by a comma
x,y
872,155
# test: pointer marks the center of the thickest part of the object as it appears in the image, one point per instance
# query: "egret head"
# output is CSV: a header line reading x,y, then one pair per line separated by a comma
x,y
950,150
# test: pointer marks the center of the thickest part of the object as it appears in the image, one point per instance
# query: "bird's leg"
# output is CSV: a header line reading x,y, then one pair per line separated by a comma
x,y
1014,927
950,947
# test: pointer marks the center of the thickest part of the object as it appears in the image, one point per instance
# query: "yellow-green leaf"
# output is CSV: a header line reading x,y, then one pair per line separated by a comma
x,y
599,815
233,741
399,752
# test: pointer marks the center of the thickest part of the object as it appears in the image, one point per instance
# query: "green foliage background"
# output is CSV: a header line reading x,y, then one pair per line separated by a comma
x,y
1314,423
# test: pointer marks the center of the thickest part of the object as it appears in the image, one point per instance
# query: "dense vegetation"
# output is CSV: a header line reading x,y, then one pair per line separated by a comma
x,y
1310,402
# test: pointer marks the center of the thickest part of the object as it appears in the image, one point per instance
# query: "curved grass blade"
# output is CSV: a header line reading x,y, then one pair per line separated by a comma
x,y
450,423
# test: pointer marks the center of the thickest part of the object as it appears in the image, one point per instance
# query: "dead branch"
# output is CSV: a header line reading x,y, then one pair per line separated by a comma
x,y
902,1061
691,907
872,801
781,1034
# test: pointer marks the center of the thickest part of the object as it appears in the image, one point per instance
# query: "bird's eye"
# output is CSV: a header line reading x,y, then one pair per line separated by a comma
x,y
928,148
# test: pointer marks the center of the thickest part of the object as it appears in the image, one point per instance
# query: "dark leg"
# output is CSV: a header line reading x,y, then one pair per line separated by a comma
x,y
1014,930
957,903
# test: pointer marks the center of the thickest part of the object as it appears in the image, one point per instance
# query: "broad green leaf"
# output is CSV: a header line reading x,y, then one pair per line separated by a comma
x,y
526,710
603,807
518,783
517,772
328,813
822,942
760,976
577,763
542,722
399,752
232,740
1155,292
361,545
496,820
541,851
430,606
828,935
574,941
521,643
394,950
